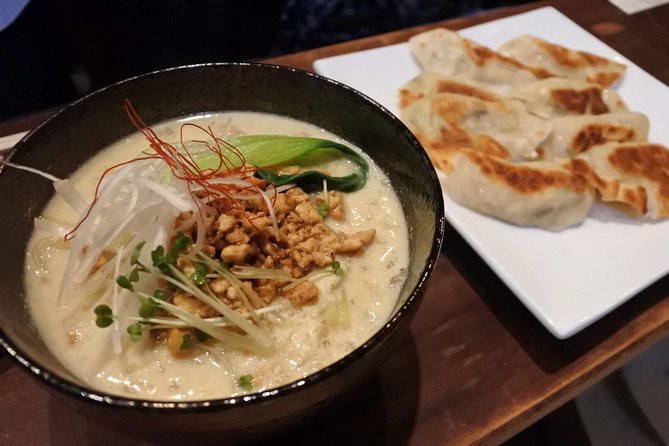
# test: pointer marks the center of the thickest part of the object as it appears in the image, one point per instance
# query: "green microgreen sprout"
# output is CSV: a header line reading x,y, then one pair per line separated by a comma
x,y
186,342
134,275
200,275
158,255
127,281
161,295
124,282
323,210
103,316
148,308
201,336
134,258
164,268
245,382
336,269
135,331
182,242
165,261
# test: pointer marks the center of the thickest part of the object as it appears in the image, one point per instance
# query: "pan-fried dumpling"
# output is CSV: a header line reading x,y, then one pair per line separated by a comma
x,y
536,193
636,174
549,59
428,83
559,96
446,52
576,134
501,129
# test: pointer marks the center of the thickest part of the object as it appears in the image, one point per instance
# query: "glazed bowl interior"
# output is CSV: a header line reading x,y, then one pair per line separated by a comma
x,y
68,139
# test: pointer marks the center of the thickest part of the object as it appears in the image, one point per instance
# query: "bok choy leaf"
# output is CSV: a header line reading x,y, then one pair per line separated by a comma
x,y
267,152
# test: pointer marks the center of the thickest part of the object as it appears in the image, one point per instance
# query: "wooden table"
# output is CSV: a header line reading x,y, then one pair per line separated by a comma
x,y
479,367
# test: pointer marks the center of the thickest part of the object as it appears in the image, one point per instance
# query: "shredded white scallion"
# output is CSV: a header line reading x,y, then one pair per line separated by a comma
x,y
136,200
48,176
116,336
68,193
325,193
171,196
272,214
51,227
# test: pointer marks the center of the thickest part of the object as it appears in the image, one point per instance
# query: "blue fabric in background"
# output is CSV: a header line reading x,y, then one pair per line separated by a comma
x,y
9,11
56,51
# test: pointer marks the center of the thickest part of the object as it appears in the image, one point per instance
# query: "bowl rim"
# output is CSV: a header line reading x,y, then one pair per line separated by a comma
x,y
93,396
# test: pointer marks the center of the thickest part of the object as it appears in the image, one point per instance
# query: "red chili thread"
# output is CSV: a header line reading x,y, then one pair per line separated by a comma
x,y
70,235
183,166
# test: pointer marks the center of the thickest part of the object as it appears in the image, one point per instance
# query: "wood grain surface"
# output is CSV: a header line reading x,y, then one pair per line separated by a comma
x,y
478,367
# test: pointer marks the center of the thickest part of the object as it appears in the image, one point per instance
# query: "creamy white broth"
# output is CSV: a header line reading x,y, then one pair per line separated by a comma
x,y
304,340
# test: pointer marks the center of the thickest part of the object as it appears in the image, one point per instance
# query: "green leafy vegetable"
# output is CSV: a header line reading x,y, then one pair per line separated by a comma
x,y
158,255
182,242
201,336
135,331
134,258
148,308
124,282
200,275
269,151
336,268
133,276
323,210
161,295
163,261
103,316
186,342
245,382
165,269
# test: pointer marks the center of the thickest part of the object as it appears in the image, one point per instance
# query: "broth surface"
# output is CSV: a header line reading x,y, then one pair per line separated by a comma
x,y
305,341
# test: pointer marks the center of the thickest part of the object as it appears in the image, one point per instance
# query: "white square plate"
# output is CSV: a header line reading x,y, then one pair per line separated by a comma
x,y
569,279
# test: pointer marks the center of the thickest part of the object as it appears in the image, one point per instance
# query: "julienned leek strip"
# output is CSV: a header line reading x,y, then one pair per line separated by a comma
x,y
269,151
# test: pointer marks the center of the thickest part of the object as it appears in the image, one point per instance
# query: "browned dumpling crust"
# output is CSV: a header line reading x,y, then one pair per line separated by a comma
x,y
525,178
576,134
549,59
634,174
536,193
580,102
531,134
499,128
446,52
559,96
428,84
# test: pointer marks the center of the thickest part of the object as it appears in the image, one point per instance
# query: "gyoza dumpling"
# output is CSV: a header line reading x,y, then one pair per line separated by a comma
x,y
549,59
446,52
536,193
428,83
636,174
559,96
576,134
498,128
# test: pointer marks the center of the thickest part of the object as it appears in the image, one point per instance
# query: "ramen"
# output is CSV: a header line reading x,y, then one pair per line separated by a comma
x,y
178,283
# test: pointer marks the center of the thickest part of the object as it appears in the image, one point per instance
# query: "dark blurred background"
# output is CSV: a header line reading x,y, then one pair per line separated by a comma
x,y
57,51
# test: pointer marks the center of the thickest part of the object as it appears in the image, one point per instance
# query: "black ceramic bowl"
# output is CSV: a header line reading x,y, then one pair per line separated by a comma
x,y
70,137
